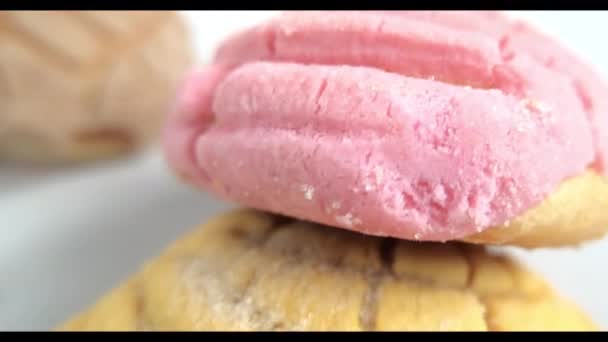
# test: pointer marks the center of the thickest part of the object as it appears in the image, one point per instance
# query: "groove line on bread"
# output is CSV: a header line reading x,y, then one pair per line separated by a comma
x,y
11,29
471,274
368,315
518,291
124,48
141,319
369,309
98,24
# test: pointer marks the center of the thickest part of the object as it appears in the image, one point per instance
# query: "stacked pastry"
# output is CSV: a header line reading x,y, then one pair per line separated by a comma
x,y
377,157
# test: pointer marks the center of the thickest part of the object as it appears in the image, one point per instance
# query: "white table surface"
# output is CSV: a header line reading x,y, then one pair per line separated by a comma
x,y
67,235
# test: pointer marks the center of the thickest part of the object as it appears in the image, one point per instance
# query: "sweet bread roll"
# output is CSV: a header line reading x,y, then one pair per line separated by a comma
x,y
428,126
251,271
86,85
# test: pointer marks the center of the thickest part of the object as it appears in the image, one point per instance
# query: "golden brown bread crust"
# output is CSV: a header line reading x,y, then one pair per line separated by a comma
x,y
84,85
247,270
574,214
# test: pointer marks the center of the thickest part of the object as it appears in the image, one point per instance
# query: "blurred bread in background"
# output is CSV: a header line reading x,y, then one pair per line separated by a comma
x,y
87,85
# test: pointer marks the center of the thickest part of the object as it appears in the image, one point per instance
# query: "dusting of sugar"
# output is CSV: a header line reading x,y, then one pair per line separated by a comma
x,y
535,105
207,287
543,107
439,194
511,188
524,125
348,220
417,236
308,190
336,205
369,187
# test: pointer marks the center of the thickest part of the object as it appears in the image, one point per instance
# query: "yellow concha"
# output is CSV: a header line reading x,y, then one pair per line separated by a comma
x,y
87,85
247,270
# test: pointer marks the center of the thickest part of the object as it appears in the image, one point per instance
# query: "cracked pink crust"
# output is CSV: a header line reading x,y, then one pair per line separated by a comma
x,y
411,124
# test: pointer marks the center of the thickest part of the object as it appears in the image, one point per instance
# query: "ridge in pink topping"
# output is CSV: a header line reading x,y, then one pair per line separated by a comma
x,y
412,127
191,115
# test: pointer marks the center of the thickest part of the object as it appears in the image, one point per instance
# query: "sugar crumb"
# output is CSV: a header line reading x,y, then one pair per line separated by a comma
x,y
536,105
334,205
348,220
439,194
308,190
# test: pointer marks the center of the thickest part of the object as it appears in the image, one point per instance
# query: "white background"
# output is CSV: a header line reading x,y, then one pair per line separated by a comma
x,y
69,235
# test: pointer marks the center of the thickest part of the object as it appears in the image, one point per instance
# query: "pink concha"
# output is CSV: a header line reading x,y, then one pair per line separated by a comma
x,y
415,126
